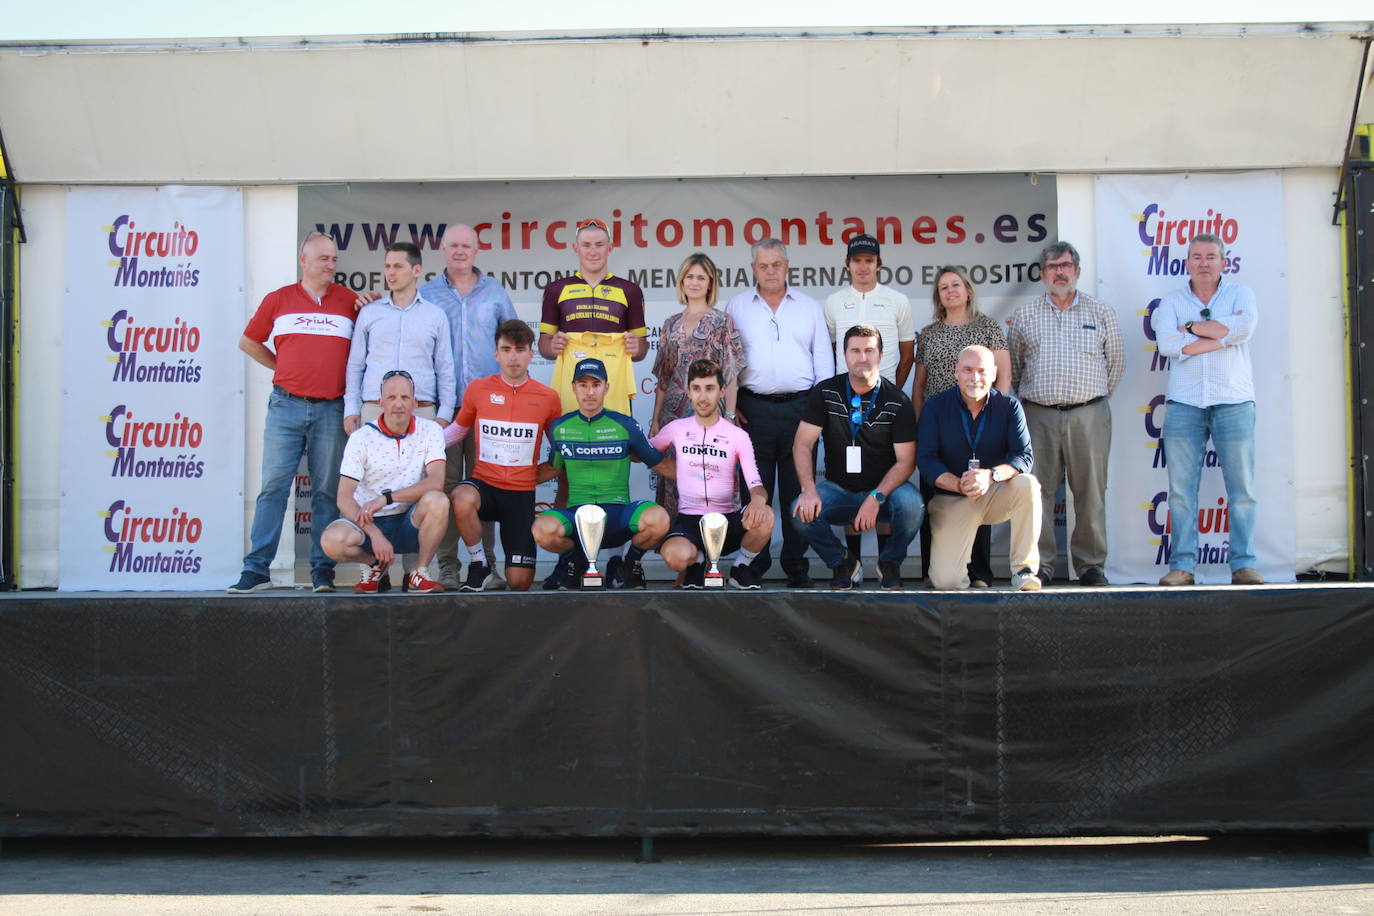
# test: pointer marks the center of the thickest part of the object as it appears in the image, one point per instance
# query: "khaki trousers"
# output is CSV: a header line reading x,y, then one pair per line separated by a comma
x,y
1073,444
954,521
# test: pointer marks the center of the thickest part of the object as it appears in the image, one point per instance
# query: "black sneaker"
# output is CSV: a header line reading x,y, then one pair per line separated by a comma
x,y
742,576
477,577
322,580
614,576
1092,577
573,580
695,576
560,572
844,573
250,582
634,575
800,580
891,575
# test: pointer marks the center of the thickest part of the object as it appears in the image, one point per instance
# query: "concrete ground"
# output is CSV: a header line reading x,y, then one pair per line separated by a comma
x,y
1290,874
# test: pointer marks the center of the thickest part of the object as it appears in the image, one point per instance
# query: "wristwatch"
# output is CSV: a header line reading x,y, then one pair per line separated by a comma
x,y
879,496
729,416
1188,327
992,475
386,495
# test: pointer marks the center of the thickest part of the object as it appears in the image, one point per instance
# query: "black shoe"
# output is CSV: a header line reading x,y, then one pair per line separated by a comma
x,y
742,576
634,575
614,577
384,583
322,580
1046,578
695,576
576,569
1092,577
477,576
799,580
844,573
891,575
560,572
250,582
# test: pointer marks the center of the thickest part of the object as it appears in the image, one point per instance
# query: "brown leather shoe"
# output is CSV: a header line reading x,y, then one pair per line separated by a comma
x,y
1176,577
1246,576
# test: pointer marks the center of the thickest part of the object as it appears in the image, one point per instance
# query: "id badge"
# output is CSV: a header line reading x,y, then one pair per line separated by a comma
x,y
853,463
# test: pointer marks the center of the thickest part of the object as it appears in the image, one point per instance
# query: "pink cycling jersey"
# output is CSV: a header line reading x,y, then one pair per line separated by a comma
x,y
706,460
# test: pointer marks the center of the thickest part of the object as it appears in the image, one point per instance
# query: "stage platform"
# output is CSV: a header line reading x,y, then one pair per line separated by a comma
x,y
658,713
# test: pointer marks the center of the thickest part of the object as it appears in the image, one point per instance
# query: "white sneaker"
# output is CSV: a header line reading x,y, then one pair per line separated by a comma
x,y
1025,581
493,582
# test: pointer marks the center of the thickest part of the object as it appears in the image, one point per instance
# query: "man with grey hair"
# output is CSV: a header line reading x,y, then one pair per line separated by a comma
x,y
309,325
1066,360
1204,328
787,350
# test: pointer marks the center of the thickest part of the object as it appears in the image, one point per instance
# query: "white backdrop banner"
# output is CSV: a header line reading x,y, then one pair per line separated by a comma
x,y
152,418
995,225
1144,223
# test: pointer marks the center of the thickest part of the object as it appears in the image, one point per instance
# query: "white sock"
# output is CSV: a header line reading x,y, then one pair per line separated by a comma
x,y
747,556
477,553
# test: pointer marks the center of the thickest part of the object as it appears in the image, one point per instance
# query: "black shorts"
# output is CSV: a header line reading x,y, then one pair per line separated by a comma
x,y
689,527
513,510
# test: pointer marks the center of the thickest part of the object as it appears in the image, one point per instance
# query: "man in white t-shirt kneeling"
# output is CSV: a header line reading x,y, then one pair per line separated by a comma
x,y
391,492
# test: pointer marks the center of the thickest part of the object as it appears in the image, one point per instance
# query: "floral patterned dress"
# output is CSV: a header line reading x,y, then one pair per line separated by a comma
x,y
714,337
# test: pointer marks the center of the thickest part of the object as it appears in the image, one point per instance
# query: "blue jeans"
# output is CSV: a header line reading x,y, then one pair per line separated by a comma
x,y
296,426
1232,430
903,510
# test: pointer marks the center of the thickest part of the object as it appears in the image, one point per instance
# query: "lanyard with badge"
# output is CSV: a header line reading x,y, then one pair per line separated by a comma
x,y
971,436
853,455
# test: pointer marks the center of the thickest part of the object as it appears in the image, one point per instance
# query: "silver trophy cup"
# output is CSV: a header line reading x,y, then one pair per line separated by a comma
x,y
590,522
713,529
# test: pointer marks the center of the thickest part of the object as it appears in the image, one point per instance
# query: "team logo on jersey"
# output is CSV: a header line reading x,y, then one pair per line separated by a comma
x,y
498,398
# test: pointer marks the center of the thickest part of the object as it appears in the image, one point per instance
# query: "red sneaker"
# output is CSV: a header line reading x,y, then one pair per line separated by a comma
x,y
419,581
369,583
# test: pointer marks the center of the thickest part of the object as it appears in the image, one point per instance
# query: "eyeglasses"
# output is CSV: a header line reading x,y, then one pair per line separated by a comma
x,y
594,223
1059,265
401,372
1206,313
777,334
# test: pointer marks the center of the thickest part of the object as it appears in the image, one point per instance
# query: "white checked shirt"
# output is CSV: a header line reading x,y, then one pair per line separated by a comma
x,y
1065,356
1221,376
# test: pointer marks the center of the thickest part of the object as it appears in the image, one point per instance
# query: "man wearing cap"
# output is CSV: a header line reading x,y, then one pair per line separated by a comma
x,y
595,446
1066,360
868,302
310,324
787,350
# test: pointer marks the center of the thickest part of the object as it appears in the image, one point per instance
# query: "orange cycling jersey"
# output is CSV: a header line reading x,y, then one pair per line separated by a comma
x,y
509,423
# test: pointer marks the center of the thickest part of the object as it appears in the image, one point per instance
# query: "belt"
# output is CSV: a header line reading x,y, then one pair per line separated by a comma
x,y
1064,406
417,403
301,397
781,398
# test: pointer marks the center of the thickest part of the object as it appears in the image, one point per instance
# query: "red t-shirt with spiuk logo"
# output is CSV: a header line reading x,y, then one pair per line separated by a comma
x,y
310,338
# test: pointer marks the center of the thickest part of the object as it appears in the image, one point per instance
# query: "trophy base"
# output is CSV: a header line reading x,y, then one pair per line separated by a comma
x,y
713,580
592,580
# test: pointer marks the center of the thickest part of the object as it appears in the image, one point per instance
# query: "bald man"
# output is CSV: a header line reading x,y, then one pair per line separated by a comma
x,y
476,305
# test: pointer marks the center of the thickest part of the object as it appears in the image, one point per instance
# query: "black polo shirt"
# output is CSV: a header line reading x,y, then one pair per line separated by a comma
x,y
888,418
